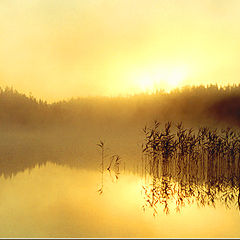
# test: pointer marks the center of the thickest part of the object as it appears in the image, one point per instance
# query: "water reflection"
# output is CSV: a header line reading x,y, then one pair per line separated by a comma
x,y
166,192
113,161
59,201
182,168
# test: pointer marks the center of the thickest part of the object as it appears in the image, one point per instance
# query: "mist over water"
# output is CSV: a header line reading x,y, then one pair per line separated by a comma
x,y
57,182
119,119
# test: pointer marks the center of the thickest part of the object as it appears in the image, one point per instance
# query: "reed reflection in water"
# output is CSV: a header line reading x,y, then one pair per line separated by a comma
x,y
60,201
183,167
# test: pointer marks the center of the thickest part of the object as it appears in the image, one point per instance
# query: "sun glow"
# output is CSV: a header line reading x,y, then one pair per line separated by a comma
x,y
165,79
146,83
175,78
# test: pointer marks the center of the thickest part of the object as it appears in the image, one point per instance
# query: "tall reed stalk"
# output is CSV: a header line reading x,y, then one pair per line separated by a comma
x,y
187,164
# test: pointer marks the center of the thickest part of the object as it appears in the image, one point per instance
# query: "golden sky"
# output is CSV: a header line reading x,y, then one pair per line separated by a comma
x,y
61,49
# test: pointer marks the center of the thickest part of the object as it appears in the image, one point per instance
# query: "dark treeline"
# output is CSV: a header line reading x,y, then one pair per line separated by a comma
x,y
31,128
192,104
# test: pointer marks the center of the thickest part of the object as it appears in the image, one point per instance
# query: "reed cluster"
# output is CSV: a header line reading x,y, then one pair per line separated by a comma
x,y
182,148
188,166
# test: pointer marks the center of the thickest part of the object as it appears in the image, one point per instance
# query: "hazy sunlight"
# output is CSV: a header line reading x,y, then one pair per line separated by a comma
x,y
119,118
159,79
59,50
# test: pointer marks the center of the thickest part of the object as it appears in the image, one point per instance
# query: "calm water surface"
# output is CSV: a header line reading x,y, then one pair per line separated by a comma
x,y
59,201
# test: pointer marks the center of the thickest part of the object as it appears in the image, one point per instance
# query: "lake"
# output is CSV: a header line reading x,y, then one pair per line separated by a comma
x,y
54,200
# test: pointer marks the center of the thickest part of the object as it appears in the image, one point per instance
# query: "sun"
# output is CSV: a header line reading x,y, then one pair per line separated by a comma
x,y
158,78
165,79
174,79
146,83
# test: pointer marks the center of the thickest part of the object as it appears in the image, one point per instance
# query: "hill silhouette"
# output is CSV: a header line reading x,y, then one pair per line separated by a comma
x,y
190,103
66,132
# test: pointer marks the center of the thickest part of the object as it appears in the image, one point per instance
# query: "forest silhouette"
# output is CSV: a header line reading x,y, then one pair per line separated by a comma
x,y
34,131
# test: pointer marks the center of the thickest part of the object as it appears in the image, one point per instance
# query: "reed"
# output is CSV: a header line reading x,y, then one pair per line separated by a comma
x,y
188,165
188,147
114,163
101,145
